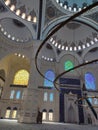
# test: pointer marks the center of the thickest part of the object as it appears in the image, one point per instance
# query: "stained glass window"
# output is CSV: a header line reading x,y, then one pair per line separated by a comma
x,y
90,81
90,100
45,96
12,94
51,97
18,94
95,101
51,76
68,65
21,78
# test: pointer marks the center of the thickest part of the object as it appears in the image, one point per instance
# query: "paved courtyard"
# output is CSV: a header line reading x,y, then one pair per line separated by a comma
x,y
13,125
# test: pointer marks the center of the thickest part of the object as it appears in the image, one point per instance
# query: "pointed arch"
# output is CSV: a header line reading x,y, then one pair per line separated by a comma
x,y
90,81
51,76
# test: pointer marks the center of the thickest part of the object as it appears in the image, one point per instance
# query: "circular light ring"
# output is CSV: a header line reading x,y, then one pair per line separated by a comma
x,y
47,58
74,6
73,48
18,12
55,30
5,33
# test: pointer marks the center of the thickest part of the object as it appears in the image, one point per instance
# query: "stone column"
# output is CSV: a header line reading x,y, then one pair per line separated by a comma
x,y
30,104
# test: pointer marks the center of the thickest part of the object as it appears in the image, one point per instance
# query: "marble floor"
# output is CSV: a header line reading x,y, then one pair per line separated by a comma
x,y
14,125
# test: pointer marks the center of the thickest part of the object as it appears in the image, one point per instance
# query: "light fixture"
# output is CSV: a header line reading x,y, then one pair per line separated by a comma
x,y
12,8
17,40
7,2
70,48
51,39
95,39
74,9
63,47
83,46
23,15
18,12
19,55
79,47
42,56
13,38
57,1
88,45
51,59
15,54
65,6
75,48
45,58
92,42
59,46
34,19
70,8
61,4
56,44
2,29
53,42
29,18
23,56
9,36
66,48
5,33
48,59
79,9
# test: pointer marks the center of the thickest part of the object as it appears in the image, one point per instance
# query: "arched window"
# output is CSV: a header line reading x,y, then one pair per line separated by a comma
x,y
18,94
21,78
50,115
90,81
12,94
8,112
51,76
68,65
44,115
14,113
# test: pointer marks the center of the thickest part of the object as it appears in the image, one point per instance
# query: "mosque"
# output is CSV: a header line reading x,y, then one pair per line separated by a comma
x,y
49,60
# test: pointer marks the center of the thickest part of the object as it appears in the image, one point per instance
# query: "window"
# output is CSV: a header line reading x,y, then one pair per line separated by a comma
x,y
51,76
44,115
18,94
45,96
50,115
90,81
95,101
68,65
8,111
12,94
14,113
21,78
22,95
90,100
51,97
